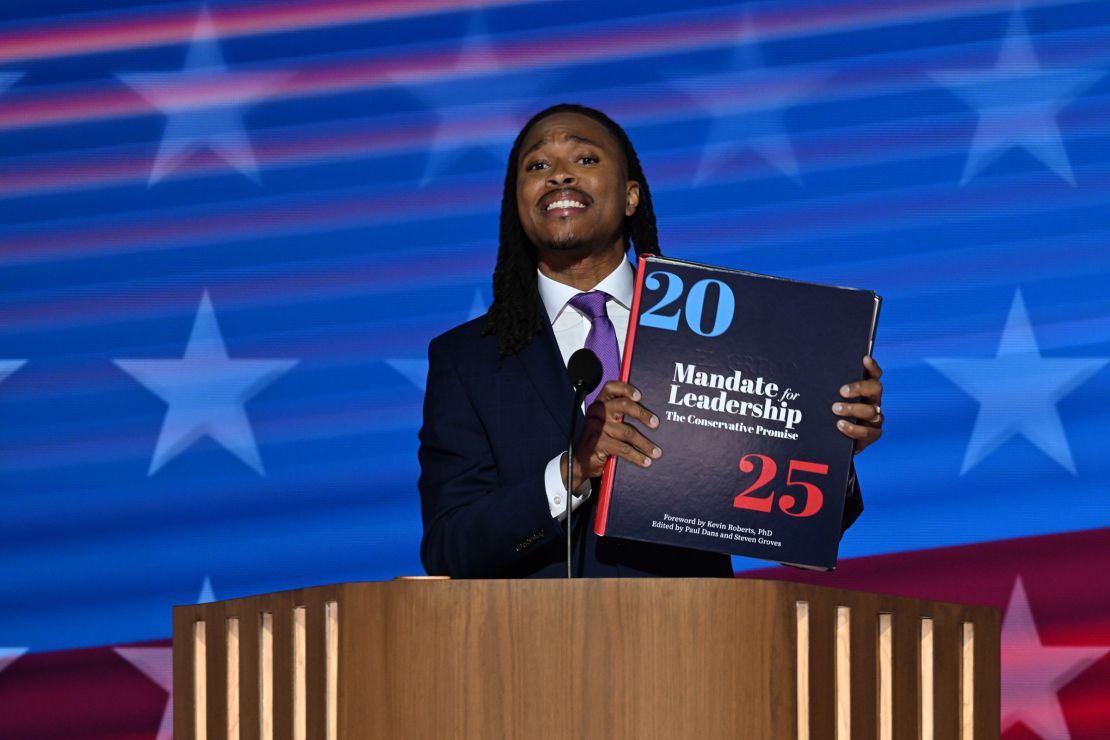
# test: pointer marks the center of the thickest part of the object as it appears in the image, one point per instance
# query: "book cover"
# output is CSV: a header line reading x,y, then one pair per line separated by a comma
x,y
742,371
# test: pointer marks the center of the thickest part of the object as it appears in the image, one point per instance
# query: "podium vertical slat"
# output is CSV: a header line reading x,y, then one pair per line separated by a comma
x,y
315,667
926,678
988,668
266,673
331,666
234,682
885,720
216,628
843,680
183,728
300,679
865,680
907,641
200,680
282,606
801,667
967,681
822,667
946,672
248,613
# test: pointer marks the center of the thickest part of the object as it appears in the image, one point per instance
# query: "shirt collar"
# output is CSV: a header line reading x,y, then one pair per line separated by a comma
x,y
619,284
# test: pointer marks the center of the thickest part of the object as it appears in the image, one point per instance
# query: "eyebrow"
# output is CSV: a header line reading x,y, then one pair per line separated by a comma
x,y
572,137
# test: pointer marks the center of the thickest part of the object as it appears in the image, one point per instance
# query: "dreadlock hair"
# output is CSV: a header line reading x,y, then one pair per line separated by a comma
x,y
515,317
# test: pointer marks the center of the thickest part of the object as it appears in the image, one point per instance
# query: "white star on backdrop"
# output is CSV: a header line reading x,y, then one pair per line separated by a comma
x,y
204,104
1017,102
7,367
157,664
1018,390
207,595
461,127
9,655
206,391
7,79
413,370
416,370
1032,672
734,127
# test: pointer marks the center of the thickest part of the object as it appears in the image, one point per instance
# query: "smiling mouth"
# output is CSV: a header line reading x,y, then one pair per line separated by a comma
x,y
564,204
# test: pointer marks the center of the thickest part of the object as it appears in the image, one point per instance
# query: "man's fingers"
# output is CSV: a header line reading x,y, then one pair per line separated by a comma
x,y
616,449
619,400
872,390
623,432
624,441
864,435
616,389
607,418
872,367
633,455
617,439
624,408
632,443
868,412
855,431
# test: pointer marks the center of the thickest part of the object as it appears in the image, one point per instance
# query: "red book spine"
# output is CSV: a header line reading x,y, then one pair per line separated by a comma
x,y
607,475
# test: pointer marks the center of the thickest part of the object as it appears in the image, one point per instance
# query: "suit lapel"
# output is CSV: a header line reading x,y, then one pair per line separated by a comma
x,y
545,368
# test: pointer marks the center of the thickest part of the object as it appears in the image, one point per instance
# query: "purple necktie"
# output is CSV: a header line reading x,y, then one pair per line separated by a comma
x,y
602,339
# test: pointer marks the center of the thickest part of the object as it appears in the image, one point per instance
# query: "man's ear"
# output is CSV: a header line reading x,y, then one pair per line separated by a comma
x,y
632,199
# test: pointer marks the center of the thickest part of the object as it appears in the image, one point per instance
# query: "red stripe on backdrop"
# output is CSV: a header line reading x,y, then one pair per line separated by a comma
x,y
150,28
576,45
86,694
1066,586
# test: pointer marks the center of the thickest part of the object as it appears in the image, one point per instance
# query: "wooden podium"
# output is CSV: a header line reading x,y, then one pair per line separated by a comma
x,y
646,658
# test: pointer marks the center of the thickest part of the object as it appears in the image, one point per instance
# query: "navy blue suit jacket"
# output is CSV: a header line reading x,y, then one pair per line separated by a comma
x,y
491,425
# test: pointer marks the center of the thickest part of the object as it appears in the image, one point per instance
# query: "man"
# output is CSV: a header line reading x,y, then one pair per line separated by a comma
x,y
496,411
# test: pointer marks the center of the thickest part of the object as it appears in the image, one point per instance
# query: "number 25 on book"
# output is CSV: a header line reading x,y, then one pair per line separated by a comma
x,y
748,499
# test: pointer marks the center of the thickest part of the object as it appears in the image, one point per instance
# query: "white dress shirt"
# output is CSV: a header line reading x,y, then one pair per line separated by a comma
x,y
571,327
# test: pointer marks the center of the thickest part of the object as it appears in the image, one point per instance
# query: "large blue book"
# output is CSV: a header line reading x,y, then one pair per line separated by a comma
x,y
742,371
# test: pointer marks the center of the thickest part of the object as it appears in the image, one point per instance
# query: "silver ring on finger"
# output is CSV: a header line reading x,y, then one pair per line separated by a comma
x,y
601,456
878,414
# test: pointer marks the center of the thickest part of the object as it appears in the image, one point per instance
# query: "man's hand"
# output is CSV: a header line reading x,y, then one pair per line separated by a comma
x,y
607,435
866,407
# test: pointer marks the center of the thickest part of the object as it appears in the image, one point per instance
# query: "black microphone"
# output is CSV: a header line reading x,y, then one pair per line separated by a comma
x,y
584,371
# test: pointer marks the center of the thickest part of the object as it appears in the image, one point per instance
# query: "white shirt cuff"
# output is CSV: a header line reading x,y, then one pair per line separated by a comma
x,y
554,478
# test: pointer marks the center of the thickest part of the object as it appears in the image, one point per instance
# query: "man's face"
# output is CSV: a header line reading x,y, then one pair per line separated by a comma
x,y
573,191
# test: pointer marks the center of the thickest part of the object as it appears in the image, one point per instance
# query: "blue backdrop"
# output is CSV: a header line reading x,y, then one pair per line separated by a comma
x,y
229,231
